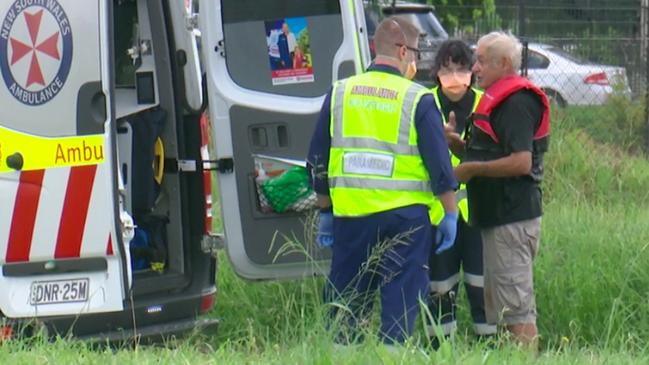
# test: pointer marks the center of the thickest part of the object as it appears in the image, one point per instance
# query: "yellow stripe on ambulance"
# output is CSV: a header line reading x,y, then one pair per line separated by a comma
x,y
43,152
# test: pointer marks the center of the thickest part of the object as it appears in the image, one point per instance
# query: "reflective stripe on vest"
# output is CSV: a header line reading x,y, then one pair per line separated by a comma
x,y
374,162
437,210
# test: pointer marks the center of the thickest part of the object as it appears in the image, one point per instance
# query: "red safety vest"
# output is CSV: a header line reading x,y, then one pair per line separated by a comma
x,y
501,90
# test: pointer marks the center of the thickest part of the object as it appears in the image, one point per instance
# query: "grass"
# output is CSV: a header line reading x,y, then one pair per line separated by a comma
x,y
592,280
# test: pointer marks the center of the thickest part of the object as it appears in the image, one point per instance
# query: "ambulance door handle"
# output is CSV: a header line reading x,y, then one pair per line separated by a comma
x,y
15,161
282,136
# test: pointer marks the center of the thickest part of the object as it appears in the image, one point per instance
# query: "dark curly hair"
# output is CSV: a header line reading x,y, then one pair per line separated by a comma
x,y
453,50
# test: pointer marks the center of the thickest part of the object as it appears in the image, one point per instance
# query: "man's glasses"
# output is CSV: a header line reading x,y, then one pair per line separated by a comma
x,y
417,51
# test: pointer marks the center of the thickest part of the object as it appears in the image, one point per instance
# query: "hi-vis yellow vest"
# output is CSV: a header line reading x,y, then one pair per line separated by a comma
x,y
437,211
374,161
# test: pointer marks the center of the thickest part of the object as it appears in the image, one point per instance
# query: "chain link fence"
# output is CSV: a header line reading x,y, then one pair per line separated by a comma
x,y
590,56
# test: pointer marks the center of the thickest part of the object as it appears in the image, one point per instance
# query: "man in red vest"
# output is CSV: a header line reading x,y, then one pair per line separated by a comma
x,y
503,168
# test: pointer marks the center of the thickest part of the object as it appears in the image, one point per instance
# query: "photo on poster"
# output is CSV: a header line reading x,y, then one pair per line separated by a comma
x,y
289,51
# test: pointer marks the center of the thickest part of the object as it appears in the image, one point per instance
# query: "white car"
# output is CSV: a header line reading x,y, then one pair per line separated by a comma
x,y
569,80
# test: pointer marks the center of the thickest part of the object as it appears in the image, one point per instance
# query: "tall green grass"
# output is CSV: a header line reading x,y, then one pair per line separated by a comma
x,y
591,277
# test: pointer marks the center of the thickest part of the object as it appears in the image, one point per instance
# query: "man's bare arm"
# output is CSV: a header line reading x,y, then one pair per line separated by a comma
x,y
516,164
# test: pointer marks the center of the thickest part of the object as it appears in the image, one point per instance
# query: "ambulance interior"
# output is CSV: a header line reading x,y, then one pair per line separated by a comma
x,y
147,135
270,189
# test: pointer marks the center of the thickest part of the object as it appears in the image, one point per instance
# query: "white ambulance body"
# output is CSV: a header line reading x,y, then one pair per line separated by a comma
x,y
105,206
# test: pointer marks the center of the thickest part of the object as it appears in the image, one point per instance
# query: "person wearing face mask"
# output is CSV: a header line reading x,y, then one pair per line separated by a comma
x,y
378,157
456,99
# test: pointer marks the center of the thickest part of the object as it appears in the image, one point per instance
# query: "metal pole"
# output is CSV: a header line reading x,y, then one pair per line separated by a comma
x,y
521,19
644,33
522,35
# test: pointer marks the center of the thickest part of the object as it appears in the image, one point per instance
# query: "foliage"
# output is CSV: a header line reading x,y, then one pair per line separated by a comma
x,y
619,123
464,17
610,48
467,16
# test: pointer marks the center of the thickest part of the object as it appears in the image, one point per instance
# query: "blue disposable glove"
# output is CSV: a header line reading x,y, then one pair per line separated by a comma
x,y
446,231
325,237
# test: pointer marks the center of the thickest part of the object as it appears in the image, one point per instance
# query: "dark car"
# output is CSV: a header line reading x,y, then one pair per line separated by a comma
x,y
421,15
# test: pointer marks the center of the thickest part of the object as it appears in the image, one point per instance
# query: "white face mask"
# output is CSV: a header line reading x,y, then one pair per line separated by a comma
x,y
456,82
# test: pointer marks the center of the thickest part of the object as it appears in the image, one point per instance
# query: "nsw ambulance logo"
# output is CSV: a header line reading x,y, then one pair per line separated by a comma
x,y
35,50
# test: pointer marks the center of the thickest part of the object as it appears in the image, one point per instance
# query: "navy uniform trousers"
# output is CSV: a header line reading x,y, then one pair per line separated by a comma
x,y
388,252
466,253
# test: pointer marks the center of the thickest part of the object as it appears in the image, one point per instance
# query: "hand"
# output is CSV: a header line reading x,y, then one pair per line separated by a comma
x,y
325,236
465,171
452,137
446,231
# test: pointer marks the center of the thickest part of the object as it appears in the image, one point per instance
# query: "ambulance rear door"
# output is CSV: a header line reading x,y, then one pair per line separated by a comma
x,y
269,65
61,245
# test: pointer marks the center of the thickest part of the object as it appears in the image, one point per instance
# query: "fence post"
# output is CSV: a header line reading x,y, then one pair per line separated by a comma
x,y
523,36
644,47
521,19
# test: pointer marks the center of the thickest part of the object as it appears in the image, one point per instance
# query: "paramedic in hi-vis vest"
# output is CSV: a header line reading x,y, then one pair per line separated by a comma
x,y
456,100
379,157
503,169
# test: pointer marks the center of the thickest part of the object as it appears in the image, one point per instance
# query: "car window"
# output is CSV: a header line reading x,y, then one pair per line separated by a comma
x,y
536,60
567,55
371,21
431,25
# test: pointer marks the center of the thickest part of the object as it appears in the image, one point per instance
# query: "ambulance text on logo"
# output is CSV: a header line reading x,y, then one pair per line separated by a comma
x,y
35,50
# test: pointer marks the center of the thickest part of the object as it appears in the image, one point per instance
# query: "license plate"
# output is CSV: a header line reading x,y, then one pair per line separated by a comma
x,y
59,291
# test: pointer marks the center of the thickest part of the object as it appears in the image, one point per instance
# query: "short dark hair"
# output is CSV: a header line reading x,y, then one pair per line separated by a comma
x,y
453,50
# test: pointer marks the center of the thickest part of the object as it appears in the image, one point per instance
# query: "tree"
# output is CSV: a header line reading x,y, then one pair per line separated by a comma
x,y
467,16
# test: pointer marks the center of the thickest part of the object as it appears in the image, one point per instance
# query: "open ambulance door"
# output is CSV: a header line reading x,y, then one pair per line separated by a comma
x,y
62,231
269,65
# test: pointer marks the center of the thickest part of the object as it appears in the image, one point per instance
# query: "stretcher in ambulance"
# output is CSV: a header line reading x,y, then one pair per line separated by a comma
x,y
105,174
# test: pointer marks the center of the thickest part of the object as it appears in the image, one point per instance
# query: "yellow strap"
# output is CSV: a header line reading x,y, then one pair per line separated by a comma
x,y
159,161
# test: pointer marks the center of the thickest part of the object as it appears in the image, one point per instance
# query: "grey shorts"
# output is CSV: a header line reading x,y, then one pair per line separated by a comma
x,y
509,252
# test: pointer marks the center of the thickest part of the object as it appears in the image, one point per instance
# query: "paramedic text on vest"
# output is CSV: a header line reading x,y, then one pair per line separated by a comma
x,y
378,154
456,100
504,168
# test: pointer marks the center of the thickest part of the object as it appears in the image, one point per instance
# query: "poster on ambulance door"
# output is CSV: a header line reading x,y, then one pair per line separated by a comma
x,y
289,51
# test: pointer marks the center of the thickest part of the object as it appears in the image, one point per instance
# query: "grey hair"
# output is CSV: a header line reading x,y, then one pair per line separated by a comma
x,y
500,44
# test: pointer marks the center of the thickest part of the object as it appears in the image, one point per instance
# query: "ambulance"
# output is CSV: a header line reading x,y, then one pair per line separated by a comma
x,y
105,174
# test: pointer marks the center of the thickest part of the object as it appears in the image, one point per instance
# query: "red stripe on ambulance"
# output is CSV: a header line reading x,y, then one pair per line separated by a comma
x,y
109,246
24,215
207,174
75,211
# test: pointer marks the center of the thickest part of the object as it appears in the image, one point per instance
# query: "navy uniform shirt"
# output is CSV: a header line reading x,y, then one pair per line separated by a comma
x,y
431,143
